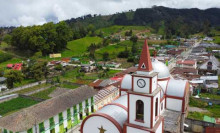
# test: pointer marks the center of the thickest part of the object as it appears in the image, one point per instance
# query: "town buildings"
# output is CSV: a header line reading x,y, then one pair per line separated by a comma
x,y
150,101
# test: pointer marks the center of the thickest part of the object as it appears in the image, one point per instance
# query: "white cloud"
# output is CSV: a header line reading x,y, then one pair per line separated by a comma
x,y
30,12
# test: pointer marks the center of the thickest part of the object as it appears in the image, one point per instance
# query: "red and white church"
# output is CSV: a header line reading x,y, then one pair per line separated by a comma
x,y
150,101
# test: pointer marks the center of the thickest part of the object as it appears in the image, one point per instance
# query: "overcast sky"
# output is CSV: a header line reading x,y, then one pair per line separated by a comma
x,y
30,12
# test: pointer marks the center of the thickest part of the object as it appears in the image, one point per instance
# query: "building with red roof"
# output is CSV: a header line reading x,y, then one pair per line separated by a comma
x,y
187,63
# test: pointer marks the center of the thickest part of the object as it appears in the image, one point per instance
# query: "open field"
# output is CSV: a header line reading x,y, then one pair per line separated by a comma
x,y
213,110
79,47
32,89
44,94
15,105
116,29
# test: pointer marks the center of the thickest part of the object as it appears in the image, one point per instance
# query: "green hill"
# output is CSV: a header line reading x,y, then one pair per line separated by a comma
x,y
79,47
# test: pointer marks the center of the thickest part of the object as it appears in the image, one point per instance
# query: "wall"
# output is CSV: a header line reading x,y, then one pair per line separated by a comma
x,y
174,104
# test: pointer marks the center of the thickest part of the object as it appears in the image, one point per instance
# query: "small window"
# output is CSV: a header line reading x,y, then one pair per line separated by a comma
x,y
139,110
156,107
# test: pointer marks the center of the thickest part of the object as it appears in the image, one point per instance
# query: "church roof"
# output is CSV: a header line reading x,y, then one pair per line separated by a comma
x,y
28,117
126,82
161,68
176,87
145,61
118,113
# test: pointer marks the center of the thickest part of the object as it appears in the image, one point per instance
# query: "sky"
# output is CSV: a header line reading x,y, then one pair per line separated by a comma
x,y
37,12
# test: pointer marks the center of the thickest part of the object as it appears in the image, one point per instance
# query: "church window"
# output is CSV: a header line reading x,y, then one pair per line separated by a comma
x,y
139,110
156,107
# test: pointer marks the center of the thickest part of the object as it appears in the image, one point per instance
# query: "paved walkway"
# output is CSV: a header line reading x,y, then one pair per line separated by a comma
x,y
195,109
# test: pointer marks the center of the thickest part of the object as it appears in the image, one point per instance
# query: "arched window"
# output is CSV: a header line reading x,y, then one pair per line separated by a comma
x,y
156,107
139,110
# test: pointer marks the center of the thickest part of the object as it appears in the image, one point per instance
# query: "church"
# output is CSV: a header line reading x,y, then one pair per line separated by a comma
x,y
150,101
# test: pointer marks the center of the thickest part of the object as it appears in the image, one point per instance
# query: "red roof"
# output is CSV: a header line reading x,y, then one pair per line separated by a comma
x,y
17,66
145,62
117,78
66,59
10,65
190,62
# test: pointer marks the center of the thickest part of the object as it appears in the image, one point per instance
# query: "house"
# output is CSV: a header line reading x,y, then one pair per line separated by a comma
x,y
186,63
55,115
150,102
106,96
198,49
88,67
66,60
75,59
174,52
210,67
16,66
207,39
210,81
185,73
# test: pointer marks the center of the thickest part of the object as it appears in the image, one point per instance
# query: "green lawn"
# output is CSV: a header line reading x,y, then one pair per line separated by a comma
x,y
45,93
15,105
32,88
211,96
214,110
24,82
68,86
79,47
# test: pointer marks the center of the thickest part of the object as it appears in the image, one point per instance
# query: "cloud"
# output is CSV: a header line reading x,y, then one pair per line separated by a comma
x,y
35,12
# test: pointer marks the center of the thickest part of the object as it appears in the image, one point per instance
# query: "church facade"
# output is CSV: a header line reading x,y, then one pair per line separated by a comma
x,y
145,98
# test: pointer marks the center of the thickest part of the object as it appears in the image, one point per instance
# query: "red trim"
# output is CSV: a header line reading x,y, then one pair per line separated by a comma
x,y
140,94
151,130
105,116
119,105
184,100
142,121
124,89
166,93
175,97
152,113
163,79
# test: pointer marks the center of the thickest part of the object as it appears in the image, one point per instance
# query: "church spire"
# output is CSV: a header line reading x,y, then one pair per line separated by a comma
x,y
145,61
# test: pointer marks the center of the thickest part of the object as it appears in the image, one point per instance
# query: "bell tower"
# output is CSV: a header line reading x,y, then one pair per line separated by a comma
x,y
144,98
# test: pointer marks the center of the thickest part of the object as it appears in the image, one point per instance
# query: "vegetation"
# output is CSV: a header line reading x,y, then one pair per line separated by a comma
x,y
68,86
13,76
4,57
15,105
45,93
32,89
48,38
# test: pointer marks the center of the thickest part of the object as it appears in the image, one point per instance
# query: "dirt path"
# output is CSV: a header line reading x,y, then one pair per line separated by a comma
x,y
195,109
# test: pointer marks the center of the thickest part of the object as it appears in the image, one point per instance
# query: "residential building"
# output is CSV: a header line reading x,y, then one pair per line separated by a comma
x,y
186,63
210,67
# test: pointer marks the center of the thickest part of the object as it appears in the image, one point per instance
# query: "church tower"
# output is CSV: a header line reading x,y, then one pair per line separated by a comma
x,y
144,99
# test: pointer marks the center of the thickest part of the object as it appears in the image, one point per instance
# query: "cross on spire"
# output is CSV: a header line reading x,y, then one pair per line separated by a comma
x,y
145,61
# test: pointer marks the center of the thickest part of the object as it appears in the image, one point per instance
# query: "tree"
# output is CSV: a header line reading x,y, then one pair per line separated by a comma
x,y
7,38
13,76
134,39
92,49
134,49
105,56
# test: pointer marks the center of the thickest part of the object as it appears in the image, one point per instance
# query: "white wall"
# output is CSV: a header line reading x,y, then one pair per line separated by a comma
x,y
134,130
174,104
159,129
47,126
154,83
56,120
123,92
154,108
93,123
145,89
147,110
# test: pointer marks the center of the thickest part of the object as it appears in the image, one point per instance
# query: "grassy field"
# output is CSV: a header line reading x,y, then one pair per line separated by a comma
x,y
15,105
213,110
211,96
32,89
79,47
11,61
116,29
45,93
68,86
